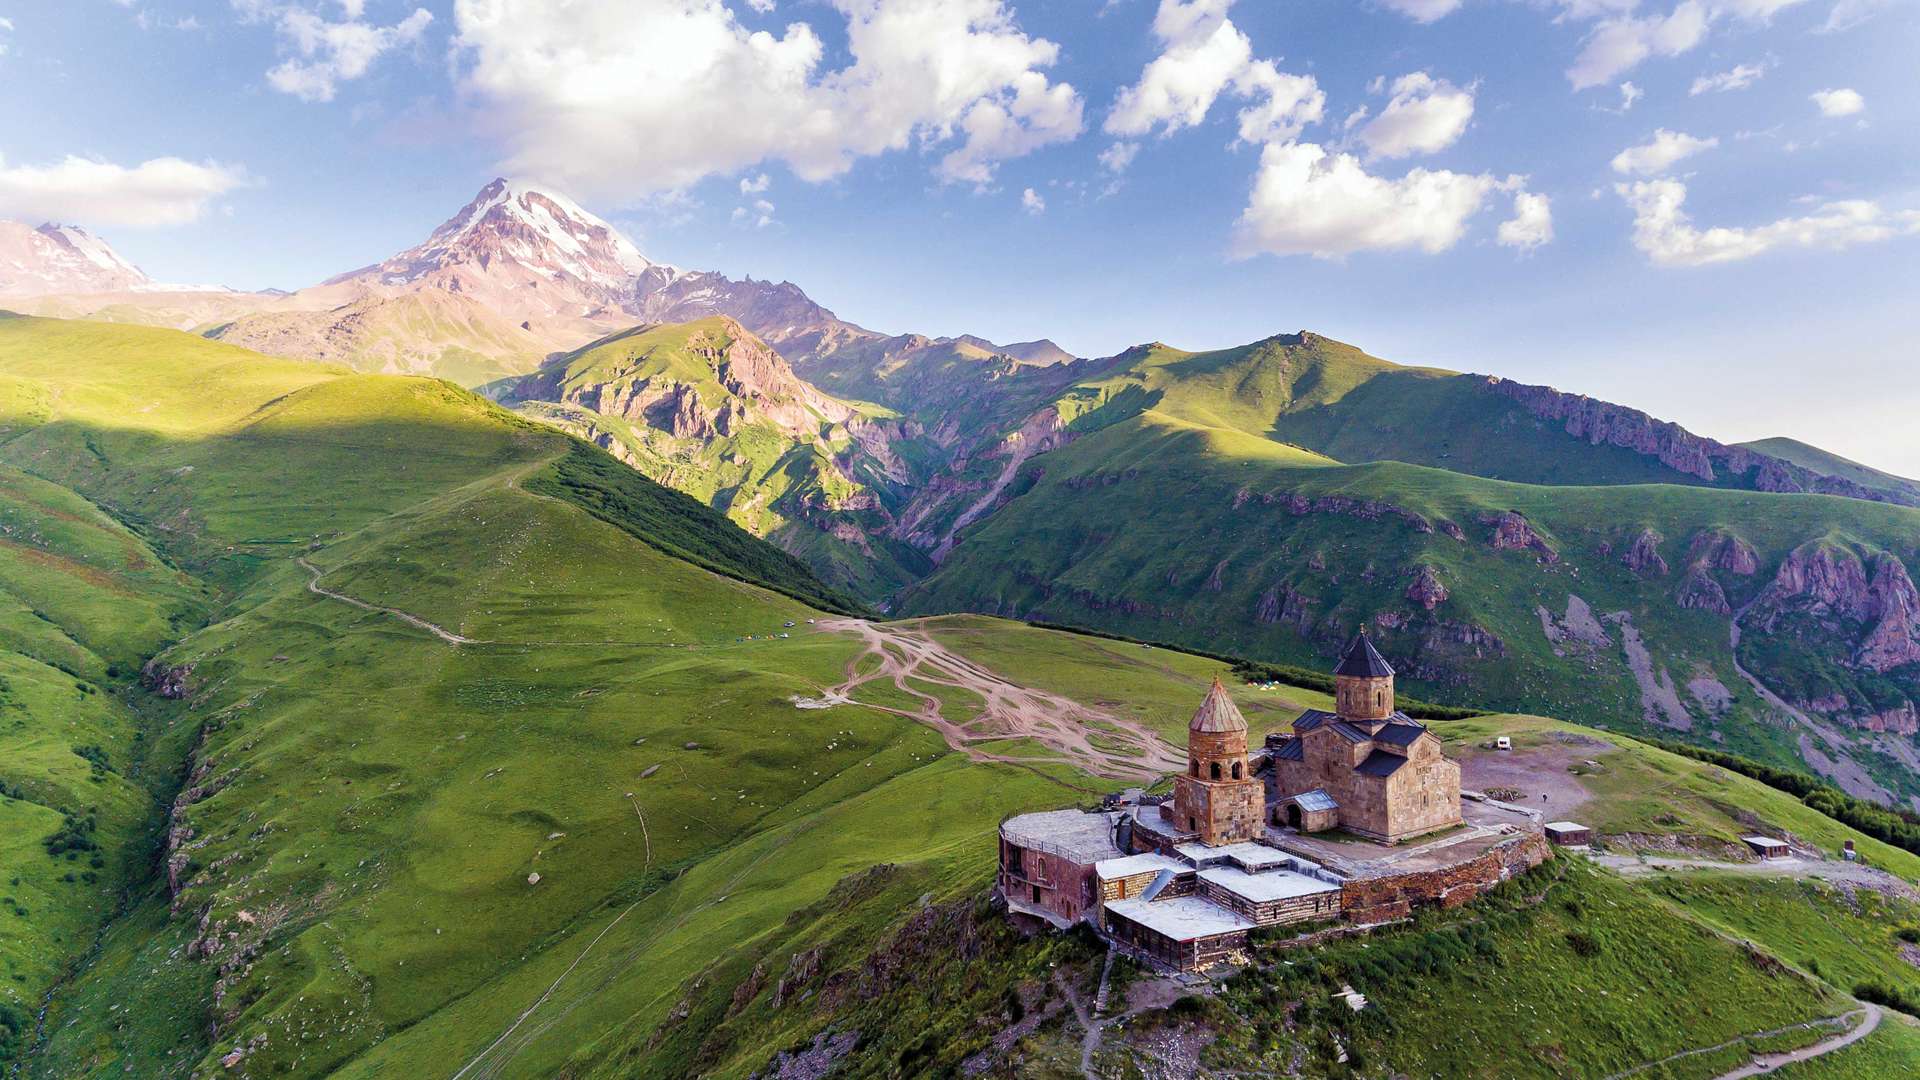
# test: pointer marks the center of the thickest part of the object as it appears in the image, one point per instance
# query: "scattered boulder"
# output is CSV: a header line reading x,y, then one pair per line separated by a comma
x,y
533,878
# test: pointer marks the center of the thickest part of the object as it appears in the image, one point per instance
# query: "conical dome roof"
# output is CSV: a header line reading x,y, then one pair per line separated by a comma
x,y
1218,712
1362,660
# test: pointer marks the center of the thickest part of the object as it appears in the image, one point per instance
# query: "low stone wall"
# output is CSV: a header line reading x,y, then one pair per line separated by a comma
x,y
1379,899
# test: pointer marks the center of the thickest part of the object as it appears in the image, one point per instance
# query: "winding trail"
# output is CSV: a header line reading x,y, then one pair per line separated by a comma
x,y
314,586
1091,740
1767,1062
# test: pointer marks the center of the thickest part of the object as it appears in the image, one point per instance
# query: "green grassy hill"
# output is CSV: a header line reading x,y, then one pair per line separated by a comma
x,y
1812,457
1203,502
461,751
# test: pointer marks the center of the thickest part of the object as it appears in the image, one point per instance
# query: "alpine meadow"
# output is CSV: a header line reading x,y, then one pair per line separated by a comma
x,y
1391,554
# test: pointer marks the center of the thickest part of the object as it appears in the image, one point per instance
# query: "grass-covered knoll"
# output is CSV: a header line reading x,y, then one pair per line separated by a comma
x,y
1157,529
1812,457
1844,935
1563,971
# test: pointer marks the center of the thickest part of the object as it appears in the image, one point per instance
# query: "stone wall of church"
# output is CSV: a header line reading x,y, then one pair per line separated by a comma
x,y
1222,813
1374,900
1424,796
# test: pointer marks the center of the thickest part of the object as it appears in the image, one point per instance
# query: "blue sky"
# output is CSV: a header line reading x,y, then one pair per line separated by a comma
x,y
899,141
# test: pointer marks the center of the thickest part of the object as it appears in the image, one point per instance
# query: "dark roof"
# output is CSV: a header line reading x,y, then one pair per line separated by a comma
x,y
1400,732
1363,660
1380,763
1311,719
1291,750
1349,732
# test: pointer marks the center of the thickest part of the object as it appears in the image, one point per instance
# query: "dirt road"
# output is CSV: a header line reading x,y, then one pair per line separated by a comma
x,y
1069,733
1825,869
1764,1063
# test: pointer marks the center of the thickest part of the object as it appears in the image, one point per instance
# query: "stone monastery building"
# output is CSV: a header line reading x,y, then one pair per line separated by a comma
x,y
1366,767
1185,880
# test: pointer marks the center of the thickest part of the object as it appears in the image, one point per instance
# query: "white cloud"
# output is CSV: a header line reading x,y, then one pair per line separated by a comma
x,y
1739,77
163,191
1847,14
1659,153
325,53
1117,157
1668,237
755,184
759,215
1424,115
764,7
623,99
1629,94
1032,203
1424,11
1840,102
1307,201
1617,44
1531,224
1204,56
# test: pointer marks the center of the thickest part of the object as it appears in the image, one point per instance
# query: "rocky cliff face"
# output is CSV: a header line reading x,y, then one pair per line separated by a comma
x,y
1604,423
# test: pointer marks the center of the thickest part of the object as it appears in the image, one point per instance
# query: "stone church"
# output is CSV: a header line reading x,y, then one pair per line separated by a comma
x,y
1365,767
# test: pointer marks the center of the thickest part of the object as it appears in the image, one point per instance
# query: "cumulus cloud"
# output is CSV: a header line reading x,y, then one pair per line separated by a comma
x,y
1424,11
1531,224
1032,203
1629,94
1739,77
753,185
1659,153
162,191
1204,56
1842,102
321,53
1308,201
6,27
1847,14
1425,115
1665,233
623,99
759,215
1618,44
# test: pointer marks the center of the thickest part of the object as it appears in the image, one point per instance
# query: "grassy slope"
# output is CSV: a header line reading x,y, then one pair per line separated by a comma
x,y
375,799
770,482
1812,457
1126,527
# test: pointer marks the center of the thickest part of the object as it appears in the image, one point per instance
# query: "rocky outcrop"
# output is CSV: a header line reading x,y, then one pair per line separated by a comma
x,y
1282,604
1717,549
1603,423
1643,555
1699,591
170,682
1513,532
1821,578
1895,606
1427,589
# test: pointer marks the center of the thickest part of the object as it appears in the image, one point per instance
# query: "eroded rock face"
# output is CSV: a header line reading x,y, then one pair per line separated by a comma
x,y
1427,589
1513,532
1893,602
1824,578
1643,555
169,682
1604,423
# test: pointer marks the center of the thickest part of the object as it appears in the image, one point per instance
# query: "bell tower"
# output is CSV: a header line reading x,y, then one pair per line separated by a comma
x,y
1219,799
1363,683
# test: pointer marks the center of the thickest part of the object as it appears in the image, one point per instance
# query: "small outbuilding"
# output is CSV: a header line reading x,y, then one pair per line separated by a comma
x,y
1767,847
1569,834
1310,811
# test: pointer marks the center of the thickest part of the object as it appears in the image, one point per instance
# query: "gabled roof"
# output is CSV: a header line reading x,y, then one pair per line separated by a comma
x,y
1400,731
1380,763
1291,750
1218,712
1362,660
1311,719
1349,732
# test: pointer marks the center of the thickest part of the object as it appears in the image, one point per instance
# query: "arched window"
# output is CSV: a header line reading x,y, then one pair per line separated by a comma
x,y
1216,770
1380,698
1236,770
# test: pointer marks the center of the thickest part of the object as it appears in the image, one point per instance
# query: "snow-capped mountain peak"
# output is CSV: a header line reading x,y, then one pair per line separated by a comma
x,y
61,259
534,229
